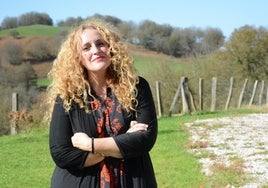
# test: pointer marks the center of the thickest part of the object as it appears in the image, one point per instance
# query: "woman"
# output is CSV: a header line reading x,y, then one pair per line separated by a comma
x,y
103,122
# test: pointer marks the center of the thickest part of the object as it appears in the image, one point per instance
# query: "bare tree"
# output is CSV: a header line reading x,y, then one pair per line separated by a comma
x,y
13,53
9,22
32,18
41,50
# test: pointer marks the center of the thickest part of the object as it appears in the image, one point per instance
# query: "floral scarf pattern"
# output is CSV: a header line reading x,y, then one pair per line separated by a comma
x,y
109,119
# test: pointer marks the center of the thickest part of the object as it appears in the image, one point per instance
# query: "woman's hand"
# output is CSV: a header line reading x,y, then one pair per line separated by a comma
x,y
82,141
135,127
103,147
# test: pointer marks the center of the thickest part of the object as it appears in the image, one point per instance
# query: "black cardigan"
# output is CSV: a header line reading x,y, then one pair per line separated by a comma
x,y
134,147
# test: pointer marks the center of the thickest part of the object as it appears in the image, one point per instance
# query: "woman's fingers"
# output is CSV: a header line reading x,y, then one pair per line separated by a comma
x,y
80,140
137,127
132,123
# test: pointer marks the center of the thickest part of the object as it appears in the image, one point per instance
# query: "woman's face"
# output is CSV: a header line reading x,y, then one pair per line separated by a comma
x,y
95,51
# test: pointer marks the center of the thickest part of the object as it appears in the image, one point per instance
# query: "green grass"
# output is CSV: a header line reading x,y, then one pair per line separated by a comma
x,y
146,65
174,166
25,160
33,31
43,82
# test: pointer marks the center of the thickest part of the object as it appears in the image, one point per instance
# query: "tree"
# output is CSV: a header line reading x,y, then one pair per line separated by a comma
x,y
152,35
9,22
28,75
13,53
127,31
174,44
70,22
145,34
161,34
248,46
113,20
40,50
189,41
14,34
57,40
33,18
213,39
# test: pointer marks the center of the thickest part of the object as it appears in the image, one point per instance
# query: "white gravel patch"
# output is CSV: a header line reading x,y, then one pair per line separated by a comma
x,y
244,137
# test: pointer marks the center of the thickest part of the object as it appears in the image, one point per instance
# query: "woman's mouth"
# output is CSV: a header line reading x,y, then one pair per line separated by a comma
x,y
99,58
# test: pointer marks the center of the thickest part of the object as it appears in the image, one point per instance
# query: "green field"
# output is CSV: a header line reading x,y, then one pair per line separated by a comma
x,y
43,82
33,31
25,160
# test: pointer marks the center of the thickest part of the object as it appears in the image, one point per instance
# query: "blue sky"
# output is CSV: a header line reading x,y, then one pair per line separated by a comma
x,y
226,15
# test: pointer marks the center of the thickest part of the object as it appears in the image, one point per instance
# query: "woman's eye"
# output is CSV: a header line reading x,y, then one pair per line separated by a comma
x,y
86,48
100,44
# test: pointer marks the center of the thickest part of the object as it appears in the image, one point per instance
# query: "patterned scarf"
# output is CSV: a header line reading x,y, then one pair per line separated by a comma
x,y
110,121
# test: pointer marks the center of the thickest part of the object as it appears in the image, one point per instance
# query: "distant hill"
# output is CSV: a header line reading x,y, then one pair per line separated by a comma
x,y
33,31
145,60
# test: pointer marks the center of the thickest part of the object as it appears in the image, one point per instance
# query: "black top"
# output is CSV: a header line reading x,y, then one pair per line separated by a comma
x,y
134,147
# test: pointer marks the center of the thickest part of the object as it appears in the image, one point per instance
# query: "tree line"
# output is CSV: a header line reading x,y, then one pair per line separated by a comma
x,y
26,19
246,49
247,45
166,39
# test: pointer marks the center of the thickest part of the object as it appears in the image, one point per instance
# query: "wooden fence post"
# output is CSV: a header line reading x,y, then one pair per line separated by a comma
x,y
267,96
174,99
201,94
230,93
261,93
158,96
242,93
213,94
253,93
13,125
185,96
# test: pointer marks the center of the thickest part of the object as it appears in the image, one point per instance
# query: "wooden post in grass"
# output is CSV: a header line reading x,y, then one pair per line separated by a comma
x,y
230,93
201,94
213,94
242,93
253,93
267,96
261,93
174,100
158,96
13,125
185,95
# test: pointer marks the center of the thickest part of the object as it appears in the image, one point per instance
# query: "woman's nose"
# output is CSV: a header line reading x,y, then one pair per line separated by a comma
x,y
95,49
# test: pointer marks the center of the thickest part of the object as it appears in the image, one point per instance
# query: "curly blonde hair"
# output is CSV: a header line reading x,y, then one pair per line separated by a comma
x,y
69,77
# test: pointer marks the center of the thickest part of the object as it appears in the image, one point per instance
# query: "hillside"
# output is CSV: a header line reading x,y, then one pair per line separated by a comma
x,y
41,68
33,31
143,58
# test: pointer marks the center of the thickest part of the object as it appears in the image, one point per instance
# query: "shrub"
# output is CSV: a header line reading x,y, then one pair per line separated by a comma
x,y
14,33
21,120
40,50
13,53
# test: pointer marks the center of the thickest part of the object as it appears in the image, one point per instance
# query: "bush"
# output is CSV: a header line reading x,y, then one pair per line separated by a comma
x,y
21,120
5,108
40,50
13,53
14,33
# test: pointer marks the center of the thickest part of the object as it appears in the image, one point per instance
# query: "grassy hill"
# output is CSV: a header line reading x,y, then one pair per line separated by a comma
x,y
154,67
33,31
145,60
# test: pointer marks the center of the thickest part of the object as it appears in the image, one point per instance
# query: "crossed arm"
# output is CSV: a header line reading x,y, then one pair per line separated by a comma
x,y
76,153
102,146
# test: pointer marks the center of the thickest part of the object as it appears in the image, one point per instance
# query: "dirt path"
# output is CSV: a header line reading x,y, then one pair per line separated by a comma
x,y
240,137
